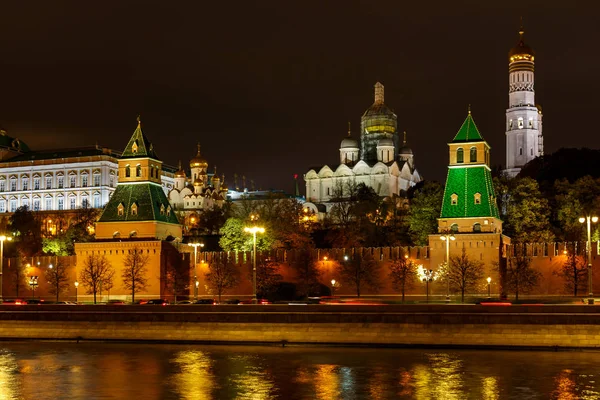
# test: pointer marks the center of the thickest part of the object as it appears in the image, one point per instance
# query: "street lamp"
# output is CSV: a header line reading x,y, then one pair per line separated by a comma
x,y
195,246
76,286
332,287
489,280
426,276
447,237
589,220
33,282
253,230
2,239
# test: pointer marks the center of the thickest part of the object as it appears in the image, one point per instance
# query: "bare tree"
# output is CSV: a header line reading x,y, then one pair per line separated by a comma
x,y
96,269
361,272
267,276
177,276
18,271
58,278
304,264
463,274
520,276
403,272
135,271
221,275
574,272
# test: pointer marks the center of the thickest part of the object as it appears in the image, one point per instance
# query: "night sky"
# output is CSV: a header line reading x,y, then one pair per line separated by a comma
x,y
268,87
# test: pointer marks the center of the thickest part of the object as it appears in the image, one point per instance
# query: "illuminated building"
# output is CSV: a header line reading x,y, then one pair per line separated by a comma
x,y
377,160
524,140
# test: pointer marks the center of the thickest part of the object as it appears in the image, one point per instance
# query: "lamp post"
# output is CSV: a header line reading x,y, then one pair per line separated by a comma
x,y
2,239
253,230
195,246
33,282
589,220
447,237
76,286
489,280
428,275
332,287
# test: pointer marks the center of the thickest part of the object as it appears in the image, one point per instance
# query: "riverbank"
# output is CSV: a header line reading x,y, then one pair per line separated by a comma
x,y
552,327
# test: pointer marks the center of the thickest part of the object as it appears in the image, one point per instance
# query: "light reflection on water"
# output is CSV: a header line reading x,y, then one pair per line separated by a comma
x,y
153,372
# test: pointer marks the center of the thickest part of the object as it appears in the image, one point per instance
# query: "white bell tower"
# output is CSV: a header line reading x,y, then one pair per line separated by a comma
x,y
524,140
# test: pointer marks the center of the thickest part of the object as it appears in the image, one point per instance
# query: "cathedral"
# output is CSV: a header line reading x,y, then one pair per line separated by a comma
x,y
378,159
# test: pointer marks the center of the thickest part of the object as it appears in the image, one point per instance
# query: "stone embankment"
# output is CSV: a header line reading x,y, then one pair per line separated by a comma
x,y
415,325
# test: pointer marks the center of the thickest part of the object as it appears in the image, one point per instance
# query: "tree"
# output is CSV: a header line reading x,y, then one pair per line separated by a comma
x,y
520,276
234,238
463,273
27,231
267,277
58,279
574,271
96,269
425,209
572,201
18,271
221,276
361,272
177,276
527,213
304,264
57,245
134,271
403,273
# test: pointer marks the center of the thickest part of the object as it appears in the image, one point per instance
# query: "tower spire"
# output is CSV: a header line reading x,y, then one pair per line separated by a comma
x,y
198,153
379,97
349,129
404,142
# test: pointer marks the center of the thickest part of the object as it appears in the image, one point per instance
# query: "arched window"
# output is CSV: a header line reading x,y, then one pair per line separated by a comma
x,y
477,227
477,198
454,199
138,170
120,209
473,154
127,171
460,156
454,228
134,209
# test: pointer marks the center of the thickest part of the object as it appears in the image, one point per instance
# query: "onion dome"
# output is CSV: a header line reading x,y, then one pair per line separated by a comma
x,y
180,172
348,142
198,182
405,150
198,161
385,142
521,51
215,177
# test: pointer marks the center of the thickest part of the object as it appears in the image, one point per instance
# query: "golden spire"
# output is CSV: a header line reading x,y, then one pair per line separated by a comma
x,y
139,120
198,154
469,109
404,143
521,29
180,165
349,129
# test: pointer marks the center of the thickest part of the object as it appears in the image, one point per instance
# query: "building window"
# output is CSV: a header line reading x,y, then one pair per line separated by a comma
x,y
13,185
73,180
13,205
61,182
477,198
2,185
72,202
127,171
134,209
510,125
520,151
112,181
36,204
96,200
85,203
84,181
2,206
531,150
454,228
120,209
48,203
168,211
96,179
36,183
454,199
459,156
138,170
48,182
61,203
25,202
25,183
520,121
477,227
530,122
473,154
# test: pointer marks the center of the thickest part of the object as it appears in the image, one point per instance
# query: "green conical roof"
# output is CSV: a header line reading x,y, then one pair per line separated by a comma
x,y
472,190
468,131
140,141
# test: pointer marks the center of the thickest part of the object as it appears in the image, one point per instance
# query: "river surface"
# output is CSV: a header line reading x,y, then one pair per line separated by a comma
x,y
54,370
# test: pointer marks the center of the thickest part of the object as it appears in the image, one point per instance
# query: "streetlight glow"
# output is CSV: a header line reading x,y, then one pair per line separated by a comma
x,y
254,230
195,246
589,220
447,238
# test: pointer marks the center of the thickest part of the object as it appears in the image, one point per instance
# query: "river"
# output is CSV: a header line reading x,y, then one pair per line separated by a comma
x,y
57,370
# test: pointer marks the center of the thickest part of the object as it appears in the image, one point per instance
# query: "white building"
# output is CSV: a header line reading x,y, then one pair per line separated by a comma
x,y
524,140
377,160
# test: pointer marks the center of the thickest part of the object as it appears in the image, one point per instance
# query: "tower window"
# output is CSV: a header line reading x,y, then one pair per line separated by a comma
x,y
477,227
520,151
477,197
127,171
134,209
510,124
531,150
459,156
454,229
138,170
134,148
120,209
520,123
531,122
454,199
473,154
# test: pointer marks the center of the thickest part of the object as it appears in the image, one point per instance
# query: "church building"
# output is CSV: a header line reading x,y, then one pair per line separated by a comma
x,y
378,159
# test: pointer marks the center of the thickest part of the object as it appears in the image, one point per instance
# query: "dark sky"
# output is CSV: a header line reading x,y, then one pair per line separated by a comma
x,y
267,87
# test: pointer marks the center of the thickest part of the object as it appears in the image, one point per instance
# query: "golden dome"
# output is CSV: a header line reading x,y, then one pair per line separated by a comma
x,y
198,161
180,172
198,182
521,51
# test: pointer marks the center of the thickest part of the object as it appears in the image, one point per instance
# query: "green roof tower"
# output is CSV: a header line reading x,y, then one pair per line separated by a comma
x,y
139,207
469,204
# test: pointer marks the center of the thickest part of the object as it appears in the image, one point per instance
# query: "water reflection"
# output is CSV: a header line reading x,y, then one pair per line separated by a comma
x,y
152,372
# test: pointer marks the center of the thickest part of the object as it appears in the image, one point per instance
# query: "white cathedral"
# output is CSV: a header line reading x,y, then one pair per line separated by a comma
x,y
378,160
